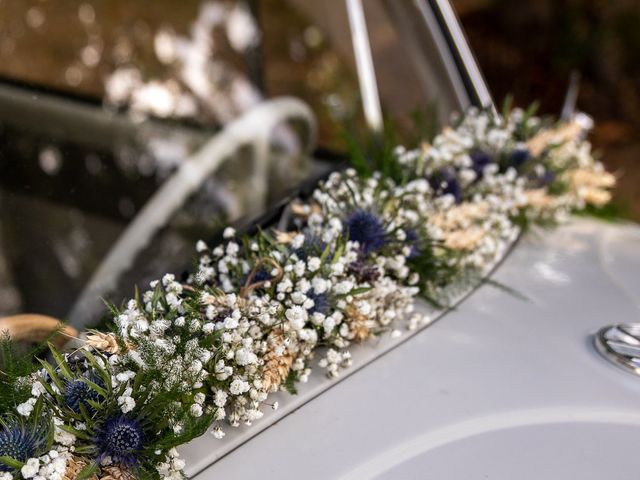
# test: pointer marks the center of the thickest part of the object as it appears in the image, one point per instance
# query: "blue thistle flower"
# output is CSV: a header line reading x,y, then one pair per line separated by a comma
x,y
480,160
542,180
363,272
78,392
445,182
120,438
313,245
21,442
519,157
321,303
262,275
366,229
413,240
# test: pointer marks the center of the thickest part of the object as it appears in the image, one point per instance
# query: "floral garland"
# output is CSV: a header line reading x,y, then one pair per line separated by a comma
x,y
185,357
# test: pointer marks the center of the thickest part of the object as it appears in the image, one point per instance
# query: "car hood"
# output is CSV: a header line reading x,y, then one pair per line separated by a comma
x,y
507,385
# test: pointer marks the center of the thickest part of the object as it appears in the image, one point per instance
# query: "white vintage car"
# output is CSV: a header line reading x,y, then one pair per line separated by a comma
x,y
539,382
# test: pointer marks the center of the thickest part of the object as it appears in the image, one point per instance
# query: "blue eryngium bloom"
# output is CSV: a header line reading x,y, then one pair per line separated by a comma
x,y
519,157
413,240
366,229
78,392
312,246
542,180
321,303
21,441
261,275
479,161
120,438
363,271
445,182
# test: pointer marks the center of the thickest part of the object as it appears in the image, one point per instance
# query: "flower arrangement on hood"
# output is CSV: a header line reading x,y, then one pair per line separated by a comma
x,y
204,354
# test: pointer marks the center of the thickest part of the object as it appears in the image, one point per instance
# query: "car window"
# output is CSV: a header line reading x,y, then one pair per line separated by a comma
x,y
103,103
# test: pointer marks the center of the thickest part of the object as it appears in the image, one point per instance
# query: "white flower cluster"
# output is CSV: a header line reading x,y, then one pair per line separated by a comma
x,y
51,466
171,468
255,313
347,270
489,170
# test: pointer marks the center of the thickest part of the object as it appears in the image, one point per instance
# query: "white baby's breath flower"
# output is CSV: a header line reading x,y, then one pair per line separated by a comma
x,y
297,317
126,403
201,246
319,285
220,398
238,387
125,376
298,297
313,264
26,408
245,357
30,468
230,322
297,241
343,287
37,389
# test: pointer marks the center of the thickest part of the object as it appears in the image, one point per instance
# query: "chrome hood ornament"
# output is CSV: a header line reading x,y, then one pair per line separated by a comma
x,y
620,344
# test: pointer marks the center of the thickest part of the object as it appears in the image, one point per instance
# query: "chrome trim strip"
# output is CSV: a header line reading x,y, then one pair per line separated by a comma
x,y
459,44
436,31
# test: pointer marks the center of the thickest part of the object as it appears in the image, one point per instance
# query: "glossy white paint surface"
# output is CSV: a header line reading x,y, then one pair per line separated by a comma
x,y
500,388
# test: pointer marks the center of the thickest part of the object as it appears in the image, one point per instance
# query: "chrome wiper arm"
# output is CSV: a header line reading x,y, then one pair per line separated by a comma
x,y
364,65
571,97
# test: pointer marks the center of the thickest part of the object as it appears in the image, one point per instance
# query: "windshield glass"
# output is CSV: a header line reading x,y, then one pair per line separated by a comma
x,y
129,132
